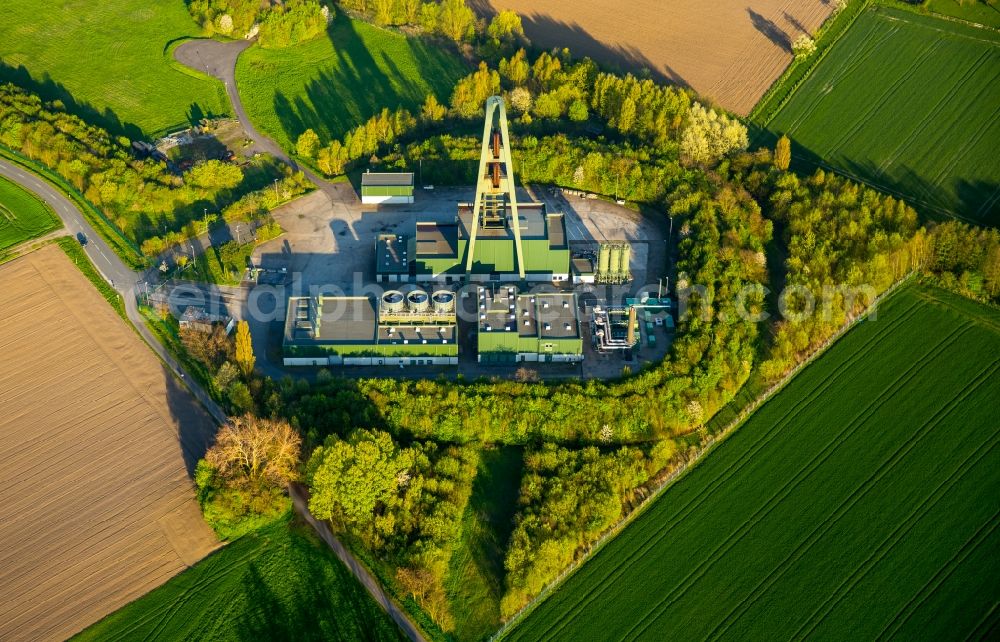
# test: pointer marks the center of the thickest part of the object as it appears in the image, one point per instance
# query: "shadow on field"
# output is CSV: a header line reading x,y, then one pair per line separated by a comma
x,y
770,29
197,430
305,609
545,32
50,90
974,200
371,84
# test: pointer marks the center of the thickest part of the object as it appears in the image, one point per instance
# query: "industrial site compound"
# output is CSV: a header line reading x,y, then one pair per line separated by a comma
x,y
497,250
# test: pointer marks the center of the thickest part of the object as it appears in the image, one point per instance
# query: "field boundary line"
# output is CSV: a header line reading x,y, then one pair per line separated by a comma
x,y
857,495
735,536
776,87
933,15
747,457
711,442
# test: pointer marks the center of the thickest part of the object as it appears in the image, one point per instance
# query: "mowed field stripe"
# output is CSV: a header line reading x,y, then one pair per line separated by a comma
x,y
945,100
859,493
851,539
763,440
957,473
944,573
847,67
789,486
885,96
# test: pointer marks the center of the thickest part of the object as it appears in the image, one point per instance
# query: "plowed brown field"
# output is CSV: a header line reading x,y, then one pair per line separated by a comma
x,y
728,51
96,506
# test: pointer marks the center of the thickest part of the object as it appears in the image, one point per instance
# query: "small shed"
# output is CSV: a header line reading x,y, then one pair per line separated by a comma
x,y
387,188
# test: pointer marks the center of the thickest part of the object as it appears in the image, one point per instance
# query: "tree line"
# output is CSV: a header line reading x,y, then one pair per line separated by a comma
x,y
146,201
275,24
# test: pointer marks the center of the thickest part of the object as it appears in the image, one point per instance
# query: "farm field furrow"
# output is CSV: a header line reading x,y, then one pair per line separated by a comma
x,y
96,505
729,52
865,487
910,104
22,216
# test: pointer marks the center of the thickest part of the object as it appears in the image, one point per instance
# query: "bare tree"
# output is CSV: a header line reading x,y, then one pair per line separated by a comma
x,y
256,451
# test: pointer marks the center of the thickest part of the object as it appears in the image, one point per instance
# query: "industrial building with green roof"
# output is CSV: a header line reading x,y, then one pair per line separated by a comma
x,y
386,188
515,327
441,250
416,328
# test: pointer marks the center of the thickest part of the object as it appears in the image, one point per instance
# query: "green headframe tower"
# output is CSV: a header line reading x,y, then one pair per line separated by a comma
x,y
495,207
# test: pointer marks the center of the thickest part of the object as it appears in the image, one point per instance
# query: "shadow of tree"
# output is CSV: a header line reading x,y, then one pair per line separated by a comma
x,y
50,90
770,29
297,604
362,79
545,31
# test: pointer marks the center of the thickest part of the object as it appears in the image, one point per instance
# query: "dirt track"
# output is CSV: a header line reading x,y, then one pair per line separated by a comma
x,y
729,51
96,506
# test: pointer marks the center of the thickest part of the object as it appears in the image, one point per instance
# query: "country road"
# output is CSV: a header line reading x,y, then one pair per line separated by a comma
x,y
119,275
300,498
221,59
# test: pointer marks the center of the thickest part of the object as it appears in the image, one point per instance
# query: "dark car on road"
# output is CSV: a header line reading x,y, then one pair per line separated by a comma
x,y
81,237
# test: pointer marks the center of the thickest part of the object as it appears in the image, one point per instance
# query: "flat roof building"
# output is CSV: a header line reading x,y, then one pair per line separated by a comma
x,y
393,258
416,328
515,327
386,188
441,249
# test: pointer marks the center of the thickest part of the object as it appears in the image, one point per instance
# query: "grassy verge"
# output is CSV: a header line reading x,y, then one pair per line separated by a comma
x,y
127,251
893,421
384,574
73,250
23,216
167,332
978,12
476,576
209,268
278,583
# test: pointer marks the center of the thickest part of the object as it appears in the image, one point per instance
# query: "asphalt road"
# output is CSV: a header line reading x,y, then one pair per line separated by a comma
x,y
119,275
218,59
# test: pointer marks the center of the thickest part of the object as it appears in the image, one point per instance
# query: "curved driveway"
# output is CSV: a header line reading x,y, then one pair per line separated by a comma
x,y
218,59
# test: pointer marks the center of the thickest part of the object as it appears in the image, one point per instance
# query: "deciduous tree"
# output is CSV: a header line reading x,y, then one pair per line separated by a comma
x,y
783,153
307,144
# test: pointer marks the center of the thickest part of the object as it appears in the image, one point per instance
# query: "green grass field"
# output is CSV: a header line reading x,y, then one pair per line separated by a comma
x,y
910,104
107,61
979,11
861,501
22,215
475,579
332,84
279,583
